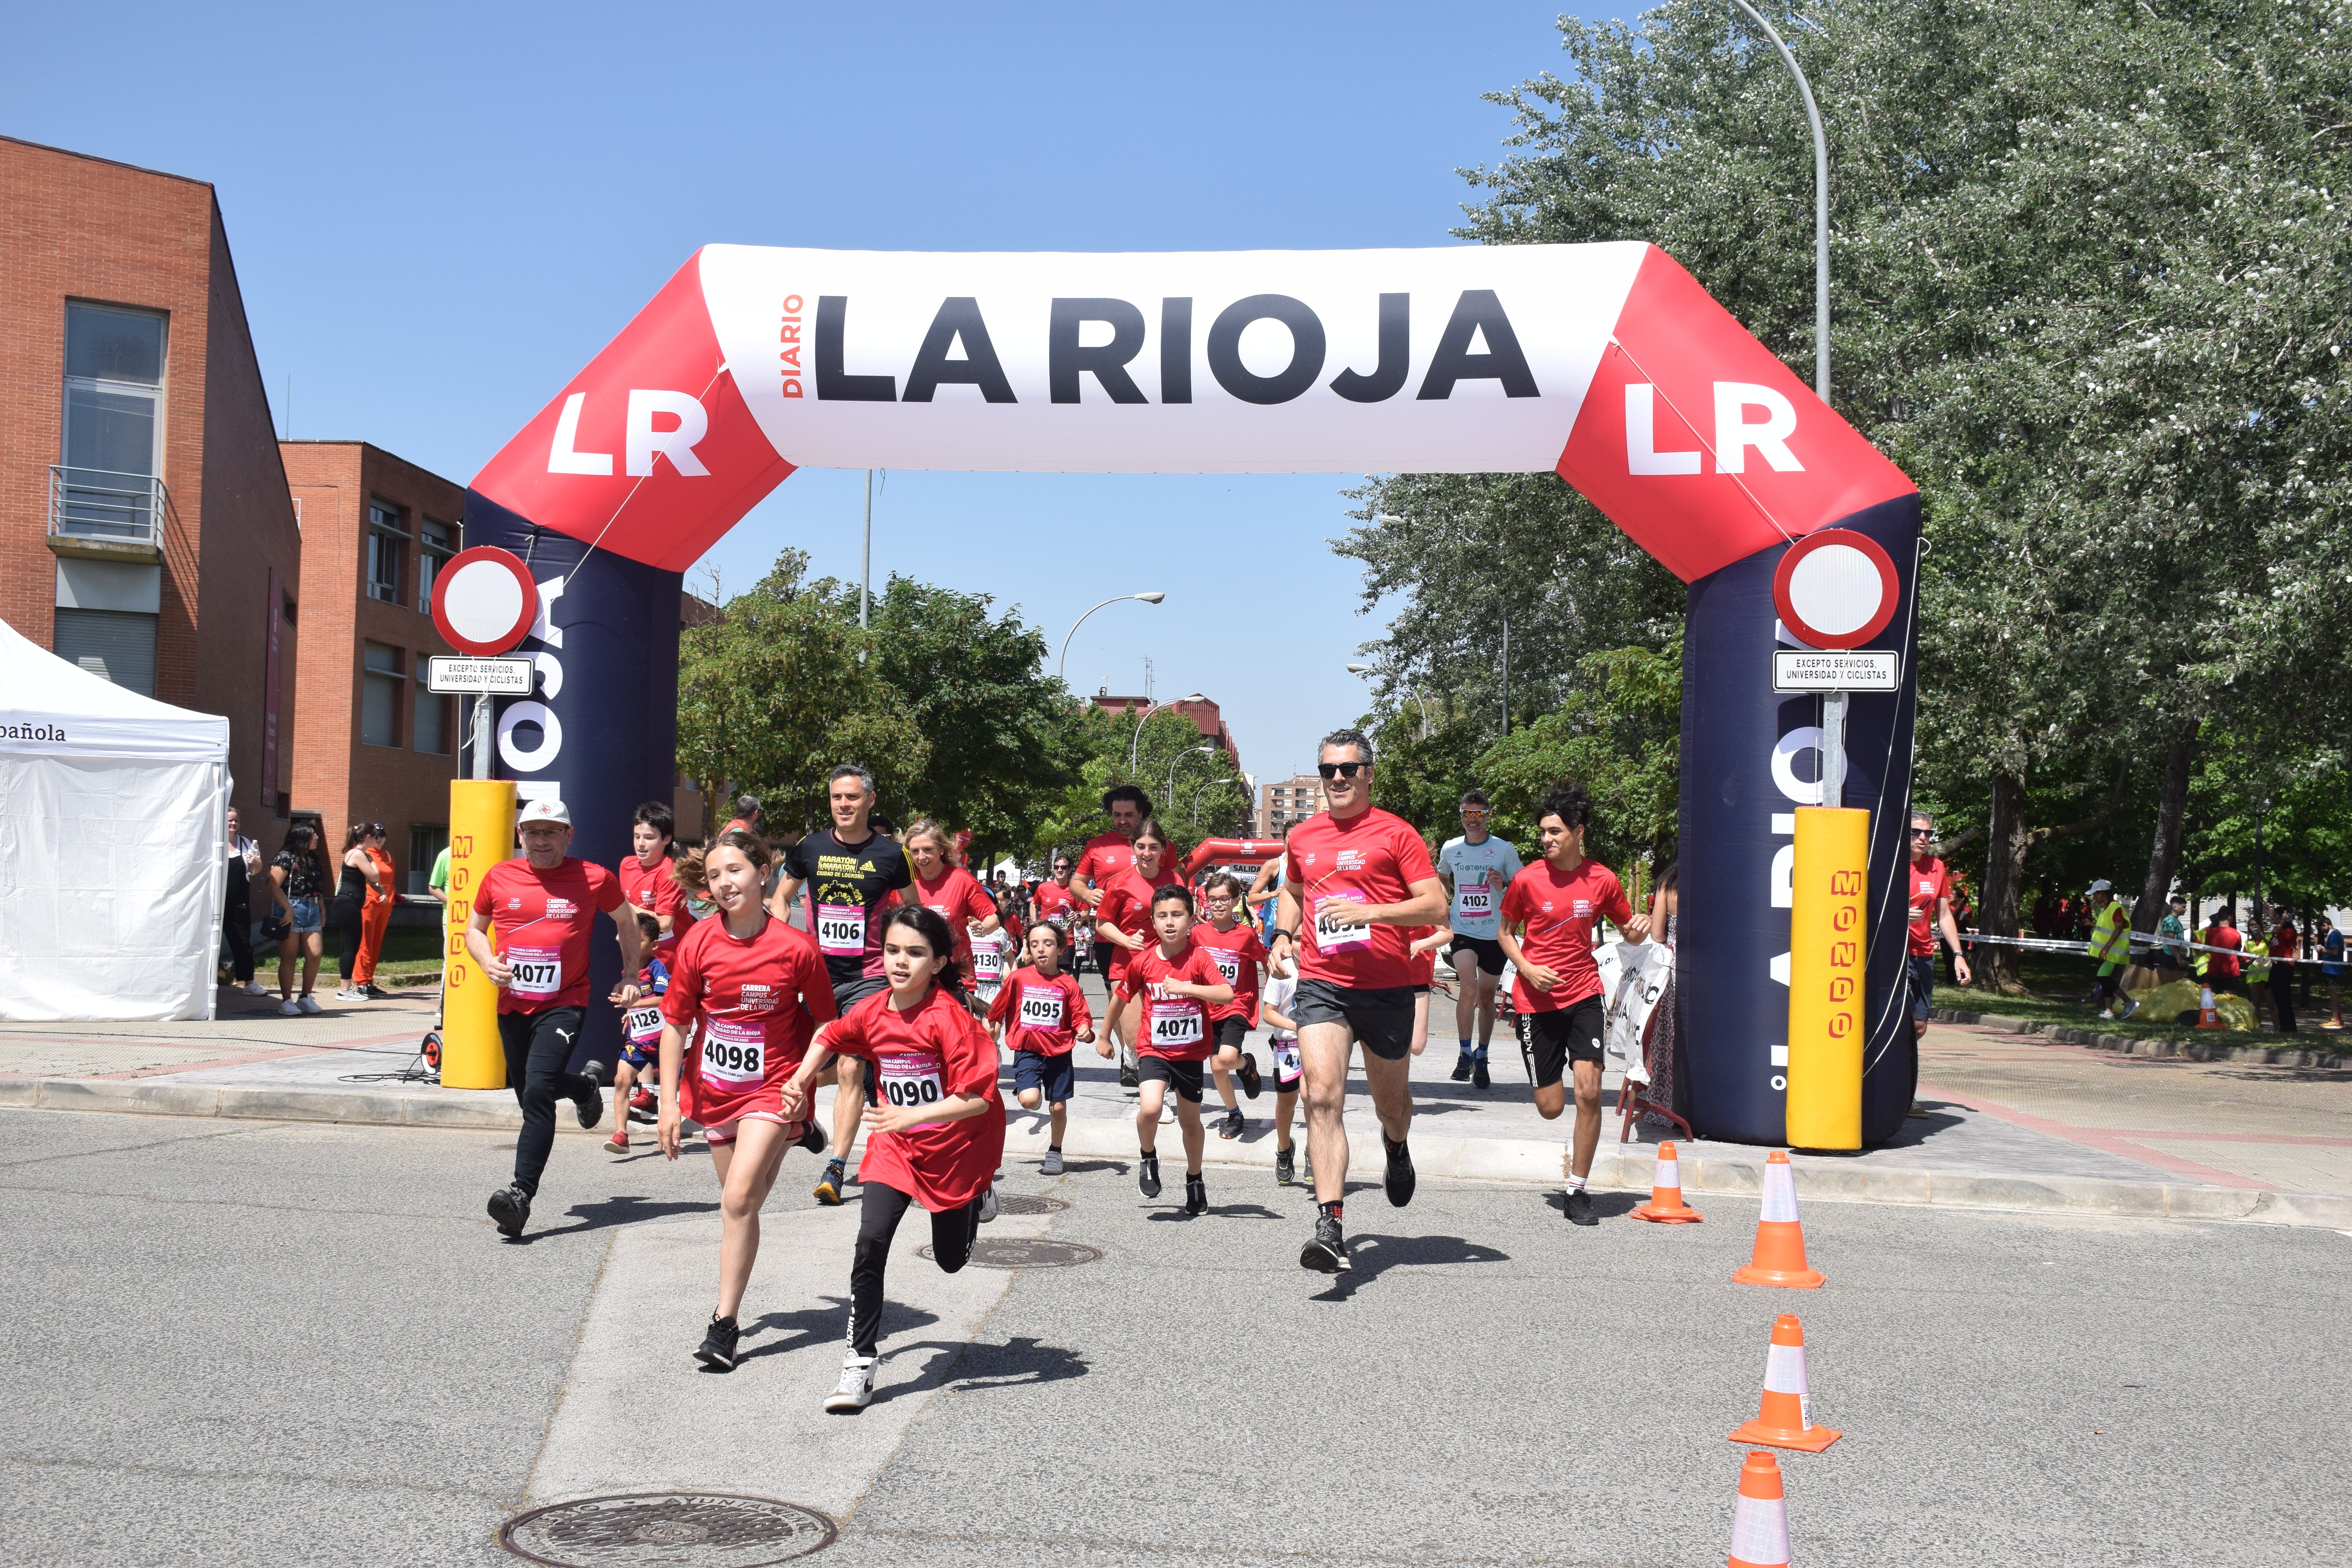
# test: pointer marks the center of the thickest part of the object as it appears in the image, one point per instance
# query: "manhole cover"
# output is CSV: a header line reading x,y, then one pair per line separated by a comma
x,y
1023,1203
681,1530
1034,1253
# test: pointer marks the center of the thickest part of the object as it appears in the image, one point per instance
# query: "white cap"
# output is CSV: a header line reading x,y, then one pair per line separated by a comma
x,y
556,812
2101,886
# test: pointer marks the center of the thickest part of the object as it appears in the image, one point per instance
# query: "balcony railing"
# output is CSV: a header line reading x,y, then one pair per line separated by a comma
x,y
97,503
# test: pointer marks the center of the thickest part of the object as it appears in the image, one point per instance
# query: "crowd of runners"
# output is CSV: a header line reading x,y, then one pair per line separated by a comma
x,y
865,957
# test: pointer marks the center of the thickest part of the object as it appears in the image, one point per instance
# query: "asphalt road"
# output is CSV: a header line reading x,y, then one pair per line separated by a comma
x,y
254,1343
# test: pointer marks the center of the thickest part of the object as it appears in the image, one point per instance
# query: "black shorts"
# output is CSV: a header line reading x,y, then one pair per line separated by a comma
x,y
1381,1019
849,994
1488,949
1230,1032
1920,968
1184,1078
1550,1041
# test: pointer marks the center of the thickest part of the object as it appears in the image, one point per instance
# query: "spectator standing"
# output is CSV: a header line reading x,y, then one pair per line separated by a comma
x,y
2221,968
2331,968
350,910
2285,942
2110,945
297,874
243,864
2172,934
2258,966
375,918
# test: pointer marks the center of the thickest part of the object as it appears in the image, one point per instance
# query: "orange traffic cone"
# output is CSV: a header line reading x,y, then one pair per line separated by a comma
x,y
1665,1204
1786,1419
1780,1256
2208,1015
1760,1529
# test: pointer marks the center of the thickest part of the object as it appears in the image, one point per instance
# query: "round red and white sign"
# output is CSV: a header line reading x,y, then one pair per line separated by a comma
x,y
1836,588
484,601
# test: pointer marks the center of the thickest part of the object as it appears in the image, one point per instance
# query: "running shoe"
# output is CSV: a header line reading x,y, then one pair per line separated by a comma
x,y
618,1143
1231,1127
1328,1253
1196,1195
811,1138
1400,1180
855,1392
510,1210
254,988
376,993
1579,1207
643,1106
1285,1168
1248,1075
1127,1078
588,1099
1147,1175
354,994
1461,1068
310,1004
988,1205
718,1351
1479,1076
828,1186
1051,1164
2131,1006
287,1009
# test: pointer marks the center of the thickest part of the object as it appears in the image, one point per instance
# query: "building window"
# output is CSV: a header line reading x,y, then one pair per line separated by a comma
x,y
387,544
432,722
380,696
435,542
425,842
113,423
113,645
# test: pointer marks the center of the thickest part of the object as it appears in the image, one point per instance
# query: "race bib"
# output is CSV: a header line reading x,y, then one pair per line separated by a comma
x,y
987,964
1286,1064
1041,1006
1474,901
732,1052
643,1025
841,930
911,1082
538,971
1229,965
1175,1024
1333,938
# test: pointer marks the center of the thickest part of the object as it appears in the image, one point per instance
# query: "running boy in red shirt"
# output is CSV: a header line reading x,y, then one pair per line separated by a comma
x,y
1178,983
1234,946
1042,1015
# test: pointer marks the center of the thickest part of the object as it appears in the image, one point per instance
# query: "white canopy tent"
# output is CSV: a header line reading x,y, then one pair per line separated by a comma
x,y
113,845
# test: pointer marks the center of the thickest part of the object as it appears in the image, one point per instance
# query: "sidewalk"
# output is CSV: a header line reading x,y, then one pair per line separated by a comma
x,y
2012,1120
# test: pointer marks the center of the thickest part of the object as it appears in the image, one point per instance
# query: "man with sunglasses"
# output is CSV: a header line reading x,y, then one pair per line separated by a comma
x,y
1355,880
1054,902
1476,868
1931,908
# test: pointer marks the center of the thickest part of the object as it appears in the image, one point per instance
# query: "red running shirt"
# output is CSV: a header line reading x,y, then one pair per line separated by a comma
x,y
1054,903
1126,904
922,1056
1930,885
1041,1014
1561,911
956,897
1373,858
1236,953
1174,1027
757,1004
1106,856
540,920
656,893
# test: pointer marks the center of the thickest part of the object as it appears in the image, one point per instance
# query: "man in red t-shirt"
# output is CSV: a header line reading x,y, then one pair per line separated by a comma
x,y
1931,909
1355,880
543,904
1103,859
1055,901
1551,917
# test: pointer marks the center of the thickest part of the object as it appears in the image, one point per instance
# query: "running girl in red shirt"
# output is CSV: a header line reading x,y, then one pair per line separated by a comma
x,y
949,890
1123,926
1044,1016
1234,946
936,1126
753,990
1178,984
1551,914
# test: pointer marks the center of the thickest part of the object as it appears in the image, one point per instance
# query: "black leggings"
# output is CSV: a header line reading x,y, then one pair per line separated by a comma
x,y
880,1208
538,1057
348,928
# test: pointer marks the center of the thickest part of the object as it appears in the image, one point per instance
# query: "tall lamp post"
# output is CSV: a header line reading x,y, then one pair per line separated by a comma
x,y
1064,663
1412,690
1134,757
1821,208
1168,795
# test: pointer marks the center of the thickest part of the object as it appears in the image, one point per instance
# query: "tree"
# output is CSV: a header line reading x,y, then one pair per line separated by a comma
x,y
1620,739
1209,799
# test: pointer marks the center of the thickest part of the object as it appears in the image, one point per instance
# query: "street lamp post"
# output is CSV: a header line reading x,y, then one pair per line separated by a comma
x,y
1412,691
1134,757
1168,795
1064,663
1821,208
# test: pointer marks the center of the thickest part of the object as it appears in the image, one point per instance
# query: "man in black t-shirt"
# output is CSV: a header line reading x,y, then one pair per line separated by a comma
x,y
850,872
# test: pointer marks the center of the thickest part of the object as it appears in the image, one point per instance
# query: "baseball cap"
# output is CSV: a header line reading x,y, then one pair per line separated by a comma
x,y
2103,885
544,811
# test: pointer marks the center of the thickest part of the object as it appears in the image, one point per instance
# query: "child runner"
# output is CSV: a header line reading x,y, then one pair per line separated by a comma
x,y
641,1031
1282,1043
1550,914
1235,947
938,1124
1178,984
649,883
1043,1013
752,990
1123,924
990,955
1425,942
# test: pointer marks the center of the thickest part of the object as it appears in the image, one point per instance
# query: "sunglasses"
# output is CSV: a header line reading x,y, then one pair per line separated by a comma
x,y
1338,769
1923,833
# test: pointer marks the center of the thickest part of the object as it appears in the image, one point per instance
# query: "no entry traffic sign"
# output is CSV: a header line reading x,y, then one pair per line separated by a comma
x,y
484,601
1836,588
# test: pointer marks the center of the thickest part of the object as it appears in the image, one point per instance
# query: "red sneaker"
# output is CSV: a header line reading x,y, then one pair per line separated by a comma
x,y
618,1143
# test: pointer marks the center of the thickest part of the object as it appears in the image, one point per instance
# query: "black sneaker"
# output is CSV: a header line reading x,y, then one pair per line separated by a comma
x,y
1461,1068
1328,1253
1127,1078
1147,1175
377,993
589,1098
813,1138
1248,1074
828,1186
1579,1208
1231,1127
1400,1180
1479,1078
1196,1195
718,1351
1285,1168
510,1210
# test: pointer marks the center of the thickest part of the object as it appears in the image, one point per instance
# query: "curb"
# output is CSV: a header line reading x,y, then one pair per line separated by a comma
x,y
1620,1167
2133,1046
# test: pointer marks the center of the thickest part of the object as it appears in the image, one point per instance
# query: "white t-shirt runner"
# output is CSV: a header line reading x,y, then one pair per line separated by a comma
x,y
1477,909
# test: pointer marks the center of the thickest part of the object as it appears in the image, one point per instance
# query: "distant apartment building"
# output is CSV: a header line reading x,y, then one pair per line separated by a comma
x,y
1285,801
1205,715
146,533
372,744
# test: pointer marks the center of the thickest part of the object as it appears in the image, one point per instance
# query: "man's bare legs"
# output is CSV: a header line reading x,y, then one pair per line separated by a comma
x,y
1324,1050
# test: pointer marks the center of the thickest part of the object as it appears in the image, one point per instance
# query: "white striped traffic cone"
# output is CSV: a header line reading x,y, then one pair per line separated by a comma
x,y
1665,1204
1760,1529
1780,1256
1786,1420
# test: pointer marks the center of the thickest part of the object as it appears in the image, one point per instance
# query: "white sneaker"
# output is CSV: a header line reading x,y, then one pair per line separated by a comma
x,y
988,1205
287,1009
254,988
2131,1006
349,994
1053,1165
855,1392
308,1004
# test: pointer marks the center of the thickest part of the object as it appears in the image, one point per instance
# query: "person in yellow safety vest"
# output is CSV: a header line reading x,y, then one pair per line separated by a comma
x,y
2110,943
2258,968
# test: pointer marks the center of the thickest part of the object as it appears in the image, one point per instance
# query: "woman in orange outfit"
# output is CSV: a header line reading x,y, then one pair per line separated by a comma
x,y
375,918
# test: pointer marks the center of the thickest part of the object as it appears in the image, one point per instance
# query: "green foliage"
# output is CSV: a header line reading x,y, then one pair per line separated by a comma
x,y
1209,800
1620,739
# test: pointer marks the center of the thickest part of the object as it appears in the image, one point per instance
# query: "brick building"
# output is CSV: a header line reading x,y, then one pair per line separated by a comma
x,y
371,743
145,530
1205,715
1285,801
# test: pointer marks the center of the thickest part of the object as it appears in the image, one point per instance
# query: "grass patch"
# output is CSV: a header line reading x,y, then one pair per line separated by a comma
x,y
2056,984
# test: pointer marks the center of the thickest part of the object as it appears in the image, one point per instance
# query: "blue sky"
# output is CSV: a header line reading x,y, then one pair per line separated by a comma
x,y
439,214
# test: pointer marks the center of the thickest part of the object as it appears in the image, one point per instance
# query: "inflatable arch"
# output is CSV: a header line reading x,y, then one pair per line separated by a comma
x,y
1605,364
